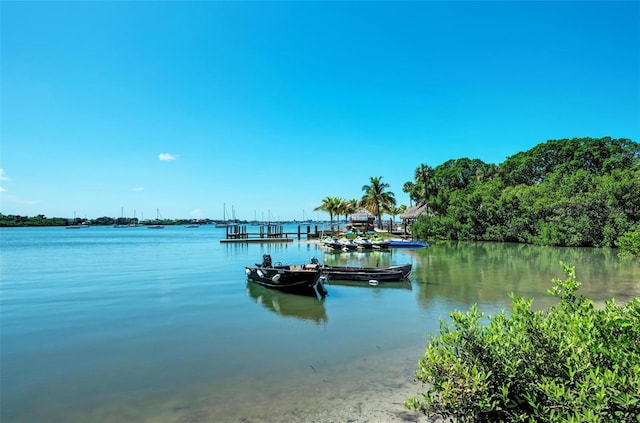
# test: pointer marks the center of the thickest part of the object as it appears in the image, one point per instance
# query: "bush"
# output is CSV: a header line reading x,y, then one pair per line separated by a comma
x,y
629,243
571,363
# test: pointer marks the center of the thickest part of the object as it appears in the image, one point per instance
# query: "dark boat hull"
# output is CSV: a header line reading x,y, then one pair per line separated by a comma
x,y
393,243
386,274
299,282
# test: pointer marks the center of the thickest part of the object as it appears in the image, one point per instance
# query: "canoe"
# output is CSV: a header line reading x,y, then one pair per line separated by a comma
x,y
353,273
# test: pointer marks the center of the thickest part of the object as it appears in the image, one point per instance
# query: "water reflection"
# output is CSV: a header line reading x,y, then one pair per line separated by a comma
x,y
288,305
404,284
485,273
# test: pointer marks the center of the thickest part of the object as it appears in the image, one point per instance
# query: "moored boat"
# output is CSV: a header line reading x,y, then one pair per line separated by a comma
x,y
363,243
379,242
406,243
354,273
300,280
347,244
332,243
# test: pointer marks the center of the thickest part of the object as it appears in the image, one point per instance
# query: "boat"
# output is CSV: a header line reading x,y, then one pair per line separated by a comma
x,y
347,244
380,243
120,222
292,279
406,243
363,243
157,224
332,243
373,275
74,224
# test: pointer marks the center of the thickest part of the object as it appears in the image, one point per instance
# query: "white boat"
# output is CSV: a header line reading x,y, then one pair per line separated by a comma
x,y
380,243
363,243
331,242
156,225
347,244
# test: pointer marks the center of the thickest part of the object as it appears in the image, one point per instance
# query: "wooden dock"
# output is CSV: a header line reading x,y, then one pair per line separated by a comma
x,y
269,233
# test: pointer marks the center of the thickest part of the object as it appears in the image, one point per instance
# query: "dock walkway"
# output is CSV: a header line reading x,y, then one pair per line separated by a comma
x,y
269,233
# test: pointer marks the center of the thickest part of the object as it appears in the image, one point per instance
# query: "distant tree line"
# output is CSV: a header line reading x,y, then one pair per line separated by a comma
x,y
570,192
42,220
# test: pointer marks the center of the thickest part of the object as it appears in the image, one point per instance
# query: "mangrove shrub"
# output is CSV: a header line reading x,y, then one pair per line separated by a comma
x,y
571,363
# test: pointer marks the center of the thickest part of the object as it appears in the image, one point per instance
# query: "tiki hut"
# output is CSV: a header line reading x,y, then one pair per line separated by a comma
x,y
412,214
362,220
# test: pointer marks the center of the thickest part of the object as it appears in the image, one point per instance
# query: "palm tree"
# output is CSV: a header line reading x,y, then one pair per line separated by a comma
x,y
394,211
423,174
409,188
376,199
346,208
330,205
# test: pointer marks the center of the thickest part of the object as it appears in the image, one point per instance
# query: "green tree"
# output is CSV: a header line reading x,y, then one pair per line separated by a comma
x,y
423,175
571,363
409,188
629,243
376,199
346,208
330,205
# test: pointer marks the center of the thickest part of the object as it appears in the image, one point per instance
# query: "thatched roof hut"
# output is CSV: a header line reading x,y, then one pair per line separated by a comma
x,y
413,213
362,220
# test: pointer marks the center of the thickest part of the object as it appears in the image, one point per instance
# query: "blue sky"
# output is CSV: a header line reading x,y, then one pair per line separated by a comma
x,y
268,107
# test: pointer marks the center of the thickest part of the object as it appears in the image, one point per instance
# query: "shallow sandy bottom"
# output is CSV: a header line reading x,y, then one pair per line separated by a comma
x,y
370,390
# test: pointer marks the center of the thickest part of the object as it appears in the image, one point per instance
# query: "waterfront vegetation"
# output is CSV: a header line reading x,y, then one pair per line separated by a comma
x,y
572,363
581,192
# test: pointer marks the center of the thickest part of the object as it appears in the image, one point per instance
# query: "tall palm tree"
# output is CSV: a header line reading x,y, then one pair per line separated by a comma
x,y
330,205
347,207
376,199
423,174
409,188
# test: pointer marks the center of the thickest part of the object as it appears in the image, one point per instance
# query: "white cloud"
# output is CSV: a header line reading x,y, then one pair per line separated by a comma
x,y
2,177
196,212
137,189
167,156
2,189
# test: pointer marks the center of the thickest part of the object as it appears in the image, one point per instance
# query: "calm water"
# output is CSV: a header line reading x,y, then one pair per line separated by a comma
x,y
137,325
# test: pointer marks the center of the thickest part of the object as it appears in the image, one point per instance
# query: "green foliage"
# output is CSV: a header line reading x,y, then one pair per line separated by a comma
x,y
571,363
377,199
629,243
577,192
8,221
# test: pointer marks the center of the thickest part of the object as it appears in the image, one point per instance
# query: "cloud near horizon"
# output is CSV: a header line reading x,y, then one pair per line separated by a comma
x,y
167,156
3,178
138,189
196,212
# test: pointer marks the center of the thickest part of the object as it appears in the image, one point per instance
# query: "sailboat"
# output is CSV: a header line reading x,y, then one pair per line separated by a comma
x,y
120,224
74,224
224,222
156,225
